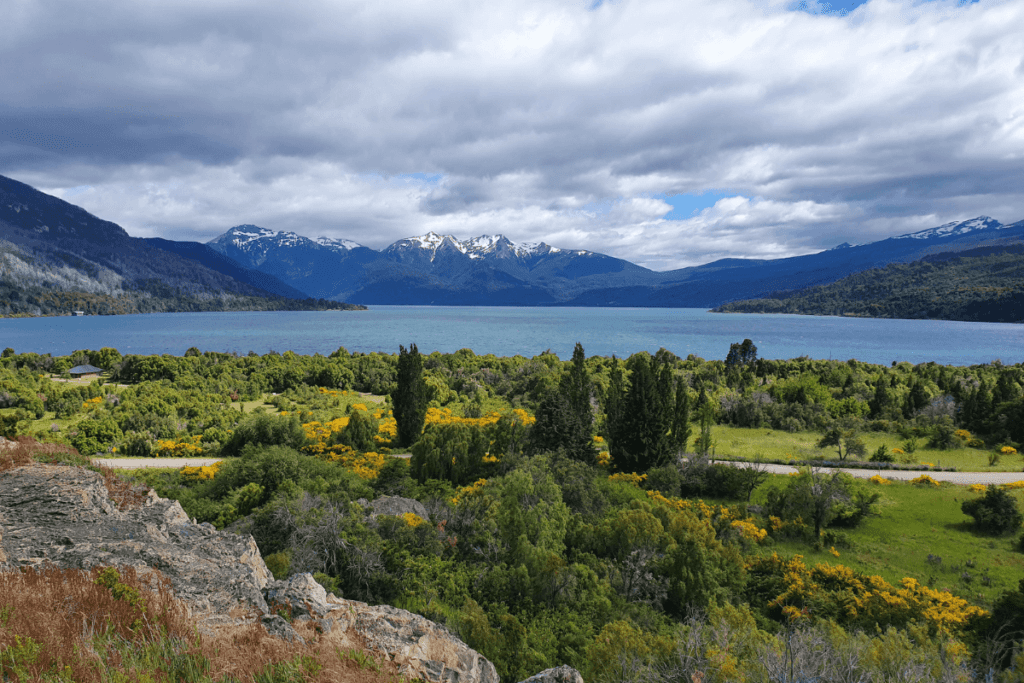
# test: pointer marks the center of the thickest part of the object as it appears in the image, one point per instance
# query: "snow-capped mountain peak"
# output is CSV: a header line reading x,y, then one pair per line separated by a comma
x,y
250,237
243,234
335,243
955,228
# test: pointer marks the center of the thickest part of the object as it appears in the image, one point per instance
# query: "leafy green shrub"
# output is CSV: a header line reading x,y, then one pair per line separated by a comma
x,y
359,432
278,563
995,513
883,454
261,429
451,451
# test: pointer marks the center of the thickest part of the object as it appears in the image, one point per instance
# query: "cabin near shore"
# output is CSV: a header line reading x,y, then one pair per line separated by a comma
x,y
85,371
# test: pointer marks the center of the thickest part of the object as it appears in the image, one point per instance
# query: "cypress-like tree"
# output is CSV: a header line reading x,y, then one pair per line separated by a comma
x,y
565,419
409,400
681,417
640,438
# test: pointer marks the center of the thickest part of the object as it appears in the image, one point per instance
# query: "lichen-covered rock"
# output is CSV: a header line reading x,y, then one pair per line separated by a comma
x,y
559,674
64,516
300,596
420,647
397,505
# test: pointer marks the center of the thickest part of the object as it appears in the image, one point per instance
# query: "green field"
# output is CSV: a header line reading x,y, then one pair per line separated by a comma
x,y
746,444
912,523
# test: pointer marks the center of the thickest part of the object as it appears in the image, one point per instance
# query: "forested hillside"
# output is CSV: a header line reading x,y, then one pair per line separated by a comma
x,y
56,258
973,286
567,512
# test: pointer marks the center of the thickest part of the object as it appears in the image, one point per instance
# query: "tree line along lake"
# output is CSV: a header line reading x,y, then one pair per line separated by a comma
x,y
527,331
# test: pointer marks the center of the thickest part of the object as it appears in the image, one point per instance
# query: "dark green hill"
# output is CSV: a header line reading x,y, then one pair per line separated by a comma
x,y
983,285
56,258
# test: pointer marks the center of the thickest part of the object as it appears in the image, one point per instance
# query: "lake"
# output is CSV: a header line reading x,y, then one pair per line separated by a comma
x,y
526,331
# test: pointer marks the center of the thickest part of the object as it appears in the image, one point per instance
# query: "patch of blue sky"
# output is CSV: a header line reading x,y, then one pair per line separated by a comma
x,y
688,205
838,7
75,191
429,178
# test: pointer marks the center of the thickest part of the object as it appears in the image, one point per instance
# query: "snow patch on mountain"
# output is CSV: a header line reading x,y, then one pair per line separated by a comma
x,y
954,228
335,243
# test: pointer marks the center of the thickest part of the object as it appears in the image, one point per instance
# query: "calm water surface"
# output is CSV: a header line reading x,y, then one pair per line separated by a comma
x,y
526,331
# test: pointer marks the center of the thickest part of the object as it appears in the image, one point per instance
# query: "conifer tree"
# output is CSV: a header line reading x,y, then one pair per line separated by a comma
x,y
565,419
640,438
409,399
681,417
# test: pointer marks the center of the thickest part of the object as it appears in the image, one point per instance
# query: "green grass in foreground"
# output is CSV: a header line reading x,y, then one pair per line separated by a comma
x,y
745,444
914,522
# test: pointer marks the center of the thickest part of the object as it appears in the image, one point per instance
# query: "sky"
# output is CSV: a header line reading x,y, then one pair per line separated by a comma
x,y
666,132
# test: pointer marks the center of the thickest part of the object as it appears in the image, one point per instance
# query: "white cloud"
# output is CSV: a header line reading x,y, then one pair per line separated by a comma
x,y
543,120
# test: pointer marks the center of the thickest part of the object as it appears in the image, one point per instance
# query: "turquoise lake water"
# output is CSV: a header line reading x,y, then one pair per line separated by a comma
x,y
526,331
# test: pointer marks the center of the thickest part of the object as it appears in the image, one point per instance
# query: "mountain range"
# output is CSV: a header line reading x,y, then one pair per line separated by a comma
x,y
492,270
49,246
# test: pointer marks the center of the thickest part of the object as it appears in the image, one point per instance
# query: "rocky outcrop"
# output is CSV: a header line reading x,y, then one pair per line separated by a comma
x,y
64,516
559,674
396,505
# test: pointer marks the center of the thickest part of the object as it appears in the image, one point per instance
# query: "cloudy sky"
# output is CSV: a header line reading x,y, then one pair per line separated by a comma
x,y
666,132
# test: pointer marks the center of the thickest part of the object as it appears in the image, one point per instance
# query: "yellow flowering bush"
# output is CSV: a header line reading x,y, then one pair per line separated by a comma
x,y
977,488
412,519
722,518
962,434
470,491
204,473
880,480
748,530
91,403
629,478
179,448
604,459
366,465
827,591
924,480
1008,450
387,429
1014,485
898,451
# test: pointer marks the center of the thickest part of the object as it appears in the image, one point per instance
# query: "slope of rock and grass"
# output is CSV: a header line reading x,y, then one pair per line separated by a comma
x,y
99,576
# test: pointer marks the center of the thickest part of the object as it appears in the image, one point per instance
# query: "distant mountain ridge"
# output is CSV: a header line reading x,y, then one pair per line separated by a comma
x,y
985,284
493,270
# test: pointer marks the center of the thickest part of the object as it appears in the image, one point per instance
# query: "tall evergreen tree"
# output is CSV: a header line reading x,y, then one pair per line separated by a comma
x,y
565,419
640,438
409,400
681,417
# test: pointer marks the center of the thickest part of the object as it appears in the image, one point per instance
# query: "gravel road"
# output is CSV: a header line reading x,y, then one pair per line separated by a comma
x,y
964,478
139,463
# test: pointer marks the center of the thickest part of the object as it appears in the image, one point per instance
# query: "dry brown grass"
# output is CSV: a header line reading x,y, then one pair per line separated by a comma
x,y
26,450
60,623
